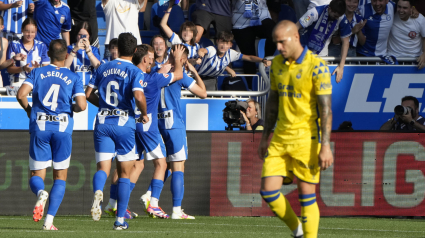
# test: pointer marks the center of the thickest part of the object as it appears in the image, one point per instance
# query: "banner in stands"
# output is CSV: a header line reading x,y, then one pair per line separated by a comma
x,y
374,174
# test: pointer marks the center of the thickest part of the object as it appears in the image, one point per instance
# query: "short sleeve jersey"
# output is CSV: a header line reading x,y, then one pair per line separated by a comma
x,y
14,17
212,65
53,91
38,53
193,49
169,113
298,85
116,81
152,85
81,63
51,21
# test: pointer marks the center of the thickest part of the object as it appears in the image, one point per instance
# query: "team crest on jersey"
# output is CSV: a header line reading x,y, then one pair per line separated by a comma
x,y
280,72
388,17
299,74
166,75
119,63
412,34
57,68
141,82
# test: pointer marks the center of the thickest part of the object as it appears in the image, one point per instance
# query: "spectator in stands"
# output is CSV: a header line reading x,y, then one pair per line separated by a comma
x,y
216,12
252,116
274,7
186,35
407,34
84,10
3,47
356,24
113,51
53,19
319,24
35,53
161,50
301,6
214,60
410,121
122,16
251,19
83,58
14,13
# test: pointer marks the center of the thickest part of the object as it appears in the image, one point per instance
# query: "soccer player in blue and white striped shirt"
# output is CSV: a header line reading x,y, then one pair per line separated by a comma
x,y
35,51
216,59
14,14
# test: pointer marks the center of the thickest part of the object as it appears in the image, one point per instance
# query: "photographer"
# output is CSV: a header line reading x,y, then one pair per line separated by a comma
x,y
407,117
252,117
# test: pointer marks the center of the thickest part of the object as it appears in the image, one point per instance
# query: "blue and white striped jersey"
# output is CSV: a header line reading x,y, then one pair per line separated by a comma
x,y
53,91
116,81
38,53
212,65
376,30
166,55
51,21
356,19
14,17
152,85
169,112
193,49
81,63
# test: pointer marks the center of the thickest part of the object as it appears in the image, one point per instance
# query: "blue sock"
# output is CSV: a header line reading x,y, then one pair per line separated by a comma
x,y
56,196
157,186
36,184
99,180
113,191
132,185
167,174
177,188
123,196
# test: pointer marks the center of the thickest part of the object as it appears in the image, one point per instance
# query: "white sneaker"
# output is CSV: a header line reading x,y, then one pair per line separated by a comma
x,y
49,227
145,199
39,206
96,210
181,215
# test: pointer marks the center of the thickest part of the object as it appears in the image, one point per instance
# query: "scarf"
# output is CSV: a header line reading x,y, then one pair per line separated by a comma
x,y
252,11
389,59
321,32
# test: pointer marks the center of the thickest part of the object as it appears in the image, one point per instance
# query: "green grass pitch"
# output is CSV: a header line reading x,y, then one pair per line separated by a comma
x,y
245,227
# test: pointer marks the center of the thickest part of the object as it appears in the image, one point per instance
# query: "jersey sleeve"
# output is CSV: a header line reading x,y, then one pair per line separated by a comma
x,y
272,72
321,78
93,81
138,82
78,89
186,82
163,79
211,51
175,39
309,17
66,26
44,57
39,2
234,55
344,28
30,80
421,20
10,51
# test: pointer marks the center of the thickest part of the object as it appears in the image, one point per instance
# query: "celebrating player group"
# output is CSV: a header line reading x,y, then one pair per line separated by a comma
x,y
139,118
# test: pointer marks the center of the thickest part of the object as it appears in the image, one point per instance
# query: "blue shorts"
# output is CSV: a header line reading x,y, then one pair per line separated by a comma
x,y
113,139
46,146
176,144
150,142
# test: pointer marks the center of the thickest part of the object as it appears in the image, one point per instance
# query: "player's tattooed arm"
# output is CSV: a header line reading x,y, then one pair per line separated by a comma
x,y
325,107
272,110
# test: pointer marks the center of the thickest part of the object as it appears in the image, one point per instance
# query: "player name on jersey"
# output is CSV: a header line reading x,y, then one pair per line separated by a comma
x,y
116,71
57,75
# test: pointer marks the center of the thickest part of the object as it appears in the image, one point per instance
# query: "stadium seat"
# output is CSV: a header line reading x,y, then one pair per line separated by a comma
x,y
238,63
287,13
192,8
205,42
175,20
260,48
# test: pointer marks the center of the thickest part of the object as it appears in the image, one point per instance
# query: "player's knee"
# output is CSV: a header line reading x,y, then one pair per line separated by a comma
x,y
270,196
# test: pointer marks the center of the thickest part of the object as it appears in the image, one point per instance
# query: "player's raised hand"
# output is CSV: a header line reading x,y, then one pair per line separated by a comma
x,y
262,149
190,67
178,52
165,69
326,157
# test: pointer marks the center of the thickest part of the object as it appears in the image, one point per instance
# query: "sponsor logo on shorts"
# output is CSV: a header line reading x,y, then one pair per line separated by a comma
x,y
163,115
52,118
115,112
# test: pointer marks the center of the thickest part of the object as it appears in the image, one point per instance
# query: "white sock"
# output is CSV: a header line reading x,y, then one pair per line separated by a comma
x,y
177,210
48,219
298,231
149,193
154,202
120,219
113,203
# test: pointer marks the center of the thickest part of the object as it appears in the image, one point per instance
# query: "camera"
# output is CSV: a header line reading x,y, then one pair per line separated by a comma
x,y
232,115
400,110
83,36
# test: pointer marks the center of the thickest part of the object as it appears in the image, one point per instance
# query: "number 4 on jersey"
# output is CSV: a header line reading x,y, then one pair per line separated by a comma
x,y
54,89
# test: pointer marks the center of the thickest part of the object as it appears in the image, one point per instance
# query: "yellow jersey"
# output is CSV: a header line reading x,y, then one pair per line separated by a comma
x,y
298,84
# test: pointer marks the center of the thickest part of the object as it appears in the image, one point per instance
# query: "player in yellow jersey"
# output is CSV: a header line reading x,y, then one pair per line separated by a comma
x,y
300,103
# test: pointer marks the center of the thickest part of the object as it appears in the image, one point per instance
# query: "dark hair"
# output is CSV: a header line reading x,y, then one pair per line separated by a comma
x,y
415,100
1,20
412,2
28,21
338,6
141,51
185,51
83,25
192,27
346,126
57,50
156,36
127,44
225,36
113,43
